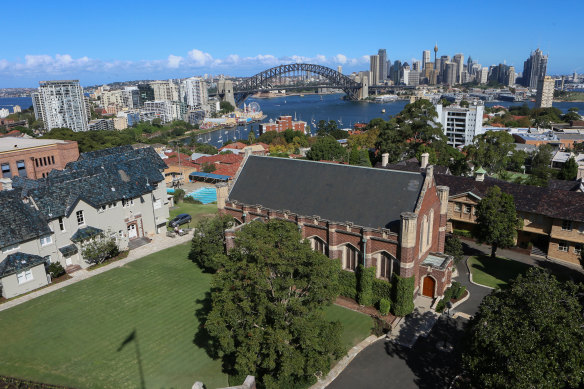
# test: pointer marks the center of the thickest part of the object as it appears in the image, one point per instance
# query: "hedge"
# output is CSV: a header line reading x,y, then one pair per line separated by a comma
x,y
465,233
381,290
348,284
403,295
365,277
384,306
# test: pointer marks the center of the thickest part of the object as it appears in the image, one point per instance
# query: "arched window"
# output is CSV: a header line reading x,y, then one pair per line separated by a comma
x,y
423,234
319,245
351,255
430,230
388,265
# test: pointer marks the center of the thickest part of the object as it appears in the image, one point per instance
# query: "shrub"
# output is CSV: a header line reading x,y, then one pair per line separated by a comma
x,y
178,195
365,277
460,292
384,306
403,295
380,327
381,290
440,306
348,284
454,289
453,246
99,249
190,200
465,233
56,270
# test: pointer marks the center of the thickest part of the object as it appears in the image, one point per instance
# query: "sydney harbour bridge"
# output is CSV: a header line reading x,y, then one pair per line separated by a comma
x,y
295,76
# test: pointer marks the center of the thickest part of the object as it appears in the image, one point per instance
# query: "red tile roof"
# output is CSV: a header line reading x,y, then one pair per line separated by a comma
x,y
236,146
185,160
220,159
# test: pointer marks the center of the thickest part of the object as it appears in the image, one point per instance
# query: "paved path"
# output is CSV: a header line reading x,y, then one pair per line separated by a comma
x,y
386,364
419,323
159,242
477,292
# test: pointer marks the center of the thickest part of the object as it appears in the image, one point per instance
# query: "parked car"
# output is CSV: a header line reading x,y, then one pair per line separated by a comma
x,y
181,219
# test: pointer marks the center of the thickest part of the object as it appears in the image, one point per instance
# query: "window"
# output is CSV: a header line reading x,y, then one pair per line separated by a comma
x,y
563,246
52,159
46,240
61,224
127,203
80,218
21,168
319,245
457,207
467,208
45,161
24,276
350,257
6,171
36,162
387,266
566,225
9,249
157,203
577,249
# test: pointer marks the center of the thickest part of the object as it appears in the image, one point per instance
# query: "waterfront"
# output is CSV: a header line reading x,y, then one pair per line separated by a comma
x,y
311,108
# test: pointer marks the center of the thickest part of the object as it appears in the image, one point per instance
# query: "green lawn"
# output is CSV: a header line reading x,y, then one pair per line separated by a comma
x,y
71,336
197,211
495,273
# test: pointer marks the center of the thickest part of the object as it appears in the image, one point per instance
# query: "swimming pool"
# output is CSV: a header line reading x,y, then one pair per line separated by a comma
x,y
204,195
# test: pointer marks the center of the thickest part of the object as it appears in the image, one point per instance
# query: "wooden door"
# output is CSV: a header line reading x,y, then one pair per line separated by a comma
x,y
428,287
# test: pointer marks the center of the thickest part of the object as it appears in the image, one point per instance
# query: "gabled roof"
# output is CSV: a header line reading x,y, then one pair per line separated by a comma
x,y
17,262
101,178
19,222
85,233
554,203
364,196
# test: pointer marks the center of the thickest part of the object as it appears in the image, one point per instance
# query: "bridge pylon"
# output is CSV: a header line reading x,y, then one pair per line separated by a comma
x,y
225,91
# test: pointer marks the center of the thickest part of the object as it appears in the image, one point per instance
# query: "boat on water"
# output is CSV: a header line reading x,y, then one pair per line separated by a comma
x,y
383,110
301,95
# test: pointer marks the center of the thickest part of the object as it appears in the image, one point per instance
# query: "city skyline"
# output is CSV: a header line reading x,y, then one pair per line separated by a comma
x,y
181,45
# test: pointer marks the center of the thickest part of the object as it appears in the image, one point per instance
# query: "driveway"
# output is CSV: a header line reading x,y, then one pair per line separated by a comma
x,y
477,293
385,364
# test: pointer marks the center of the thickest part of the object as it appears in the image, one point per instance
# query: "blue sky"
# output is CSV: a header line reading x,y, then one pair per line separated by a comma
x,y
105,41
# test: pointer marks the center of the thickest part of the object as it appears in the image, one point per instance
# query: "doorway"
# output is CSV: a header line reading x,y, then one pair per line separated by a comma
x,y
132,231
428,287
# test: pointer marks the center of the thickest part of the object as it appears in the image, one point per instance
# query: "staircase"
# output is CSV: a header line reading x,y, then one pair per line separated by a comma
x,y
536,252
135,243
72,269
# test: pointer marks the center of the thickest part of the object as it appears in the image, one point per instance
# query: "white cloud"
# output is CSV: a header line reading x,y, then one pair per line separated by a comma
x,y
174,61
200,58
340,58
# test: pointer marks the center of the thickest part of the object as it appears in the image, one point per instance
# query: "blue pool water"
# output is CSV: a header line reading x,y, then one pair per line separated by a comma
x,y
169,190
204,195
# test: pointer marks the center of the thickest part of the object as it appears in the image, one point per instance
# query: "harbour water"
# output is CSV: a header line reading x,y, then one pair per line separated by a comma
x,y
311,109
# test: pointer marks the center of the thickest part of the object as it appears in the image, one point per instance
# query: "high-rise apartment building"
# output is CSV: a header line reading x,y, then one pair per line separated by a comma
x,y
443,61
425,58
534,68
459,61
545,92
131,97
374,69
450,70
194,92
483,75
146,93
382,65
61,104
162,109
460,124
165,90
511,76
396,72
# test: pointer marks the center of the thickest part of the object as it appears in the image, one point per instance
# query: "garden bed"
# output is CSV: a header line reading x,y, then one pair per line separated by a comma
x,y
371,311
54,281
120,256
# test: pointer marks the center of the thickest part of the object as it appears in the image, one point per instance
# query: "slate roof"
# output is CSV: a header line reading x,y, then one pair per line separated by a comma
x,y
560,204
19,222
412,165
99,178
17,262
68,250
365,196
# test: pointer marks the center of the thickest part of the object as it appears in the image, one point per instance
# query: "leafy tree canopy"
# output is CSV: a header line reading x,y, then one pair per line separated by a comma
x,y
540,165
267,312
569,171
497,220
530,335
491,150
327,148
207,247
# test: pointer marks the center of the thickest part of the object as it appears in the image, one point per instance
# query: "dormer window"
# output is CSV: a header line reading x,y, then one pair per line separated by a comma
x,y
566,225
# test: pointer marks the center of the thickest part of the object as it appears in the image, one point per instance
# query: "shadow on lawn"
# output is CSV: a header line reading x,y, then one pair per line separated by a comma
x,y
202,338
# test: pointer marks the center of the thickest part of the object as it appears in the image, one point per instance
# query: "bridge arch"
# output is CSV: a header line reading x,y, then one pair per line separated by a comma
x,y
261,80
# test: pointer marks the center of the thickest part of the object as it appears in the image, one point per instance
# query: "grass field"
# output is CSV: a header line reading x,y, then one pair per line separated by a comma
x,y
495,273
197,211
71,336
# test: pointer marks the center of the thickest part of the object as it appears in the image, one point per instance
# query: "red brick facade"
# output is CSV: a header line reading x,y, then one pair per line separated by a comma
x,y
407,247
283,123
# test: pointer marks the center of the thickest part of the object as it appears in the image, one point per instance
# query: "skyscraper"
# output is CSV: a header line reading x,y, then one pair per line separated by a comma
x,y
459,61
374,69
396,72
425,58
61,104
534,68
194,92
382,53
450,74
545,92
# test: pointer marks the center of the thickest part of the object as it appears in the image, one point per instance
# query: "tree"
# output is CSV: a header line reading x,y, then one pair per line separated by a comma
x,y
208,167
490,150
540,164
569,171
497,220
390,140
226,107
530,335
326,148
517,160
453,246
207,246
267,307
99,248
251,137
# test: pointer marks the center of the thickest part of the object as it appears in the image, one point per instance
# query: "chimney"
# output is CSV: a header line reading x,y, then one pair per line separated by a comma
x,y
6,183
222,193
580,175
384,159
424,161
